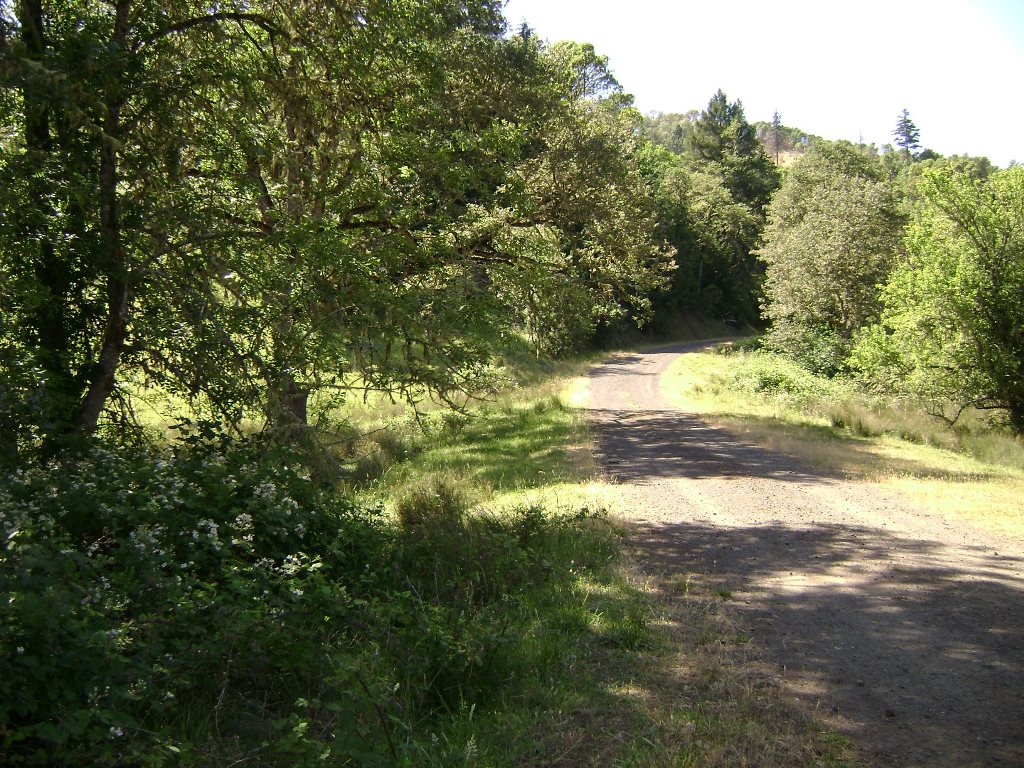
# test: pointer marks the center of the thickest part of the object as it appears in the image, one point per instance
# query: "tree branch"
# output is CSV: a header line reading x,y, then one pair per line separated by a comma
x,y
214,18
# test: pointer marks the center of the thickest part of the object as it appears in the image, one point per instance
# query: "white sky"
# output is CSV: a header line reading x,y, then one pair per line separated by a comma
x,y
840,70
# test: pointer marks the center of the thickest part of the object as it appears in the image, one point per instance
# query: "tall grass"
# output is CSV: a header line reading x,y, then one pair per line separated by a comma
x,y
797,394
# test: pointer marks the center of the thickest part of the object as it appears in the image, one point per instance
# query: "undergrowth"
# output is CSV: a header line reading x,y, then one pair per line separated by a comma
x,y
214,603
210,605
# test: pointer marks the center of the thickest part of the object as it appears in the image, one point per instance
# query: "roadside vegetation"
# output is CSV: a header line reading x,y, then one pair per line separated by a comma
x,y
293,300
462,598
973,469
910,282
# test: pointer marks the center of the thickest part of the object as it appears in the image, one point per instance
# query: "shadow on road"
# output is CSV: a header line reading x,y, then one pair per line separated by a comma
x,y
639,446
907,634
930,657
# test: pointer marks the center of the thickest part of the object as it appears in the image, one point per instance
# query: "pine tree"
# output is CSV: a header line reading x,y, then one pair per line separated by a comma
x,y
722,138
776,135
907,134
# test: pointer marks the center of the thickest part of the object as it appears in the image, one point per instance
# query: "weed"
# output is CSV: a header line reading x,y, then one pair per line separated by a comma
x,y
437,502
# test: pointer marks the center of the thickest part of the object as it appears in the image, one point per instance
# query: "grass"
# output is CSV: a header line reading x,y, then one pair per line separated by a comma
x,y
972,472
615,668
566,653
587,661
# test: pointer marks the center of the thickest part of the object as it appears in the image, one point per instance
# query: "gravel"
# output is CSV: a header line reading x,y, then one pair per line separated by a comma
x,y
898,627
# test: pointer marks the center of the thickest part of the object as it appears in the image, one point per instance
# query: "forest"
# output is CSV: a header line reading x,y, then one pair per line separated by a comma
x,y
225,227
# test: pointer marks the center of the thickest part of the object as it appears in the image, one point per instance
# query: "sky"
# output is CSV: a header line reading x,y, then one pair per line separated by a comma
x,y
840,70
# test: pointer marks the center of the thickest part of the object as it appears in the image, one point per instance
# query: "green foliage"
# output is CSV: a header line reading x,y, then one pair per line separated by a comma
x,y
670,130
786,138
711,201
145,597
796,395
585,234
777,377
255,204
911,176
724,140
211,604
833,235
950,331
709,228
586,73
776,136
818,347
440,502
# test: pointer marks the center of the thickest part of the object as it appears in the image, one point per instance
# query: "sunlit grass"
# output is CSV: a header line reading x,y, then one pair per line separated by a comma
x,y
650,677
974,472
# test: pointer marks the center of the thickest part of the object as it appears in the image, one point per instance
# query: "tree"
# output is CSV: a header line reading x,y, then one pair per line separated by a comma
x,y
951,328
670,129
776,144
256,205
723,140
357,162
723,156
709,229
583,71
906,134
585,227
833,233
88,158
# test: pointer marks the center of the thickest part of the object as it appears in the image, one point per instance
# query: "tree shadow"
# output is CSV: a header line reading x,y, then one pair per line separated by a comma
x,y
916,647
507,450
643,446
617,366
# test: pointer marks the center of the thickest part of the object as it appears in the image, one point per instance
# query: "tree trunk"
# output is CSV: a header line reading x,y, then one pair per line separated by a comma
x,y
287,400
37,113
295,403
102,375
287,407
1016,411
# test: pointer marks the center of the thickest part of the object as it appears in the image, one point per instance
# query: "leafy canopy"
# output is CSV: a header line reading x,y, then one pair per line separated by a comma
x,y
833,232
258,206
952,326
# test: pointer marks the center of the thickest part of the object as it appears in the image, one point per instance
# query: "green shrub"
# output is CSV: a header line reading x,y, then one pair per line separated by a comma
x,y
439,502
211,605
847,405
148,598
776,376
818,349
382,448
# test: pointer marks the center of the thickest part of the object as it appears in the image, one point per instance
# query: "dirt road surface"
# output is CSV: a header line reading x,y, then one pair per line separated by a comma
x,y
900,628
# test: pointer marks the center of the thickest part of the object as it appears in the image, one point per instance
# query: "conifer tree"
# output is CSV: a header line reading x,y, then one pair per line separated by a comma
x,y
776,135
907,134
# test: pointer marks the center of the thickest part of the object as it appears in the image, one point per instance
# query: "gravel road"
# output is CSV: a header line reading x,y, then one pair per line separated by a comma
x,y
902,629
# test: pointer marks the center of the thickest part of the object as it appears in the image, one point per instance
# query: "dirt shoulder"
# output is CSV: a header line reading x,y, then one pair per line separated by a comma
x,y
895,625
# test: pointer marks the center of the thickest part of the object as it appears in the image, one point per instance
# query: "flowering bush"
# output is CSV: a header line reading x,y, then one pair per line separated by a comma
x,y
139,590
211,605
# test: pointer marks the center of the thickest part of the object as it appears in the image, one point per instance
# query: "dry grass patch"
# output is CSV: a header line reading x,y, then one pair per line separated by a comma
x,y
973,473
